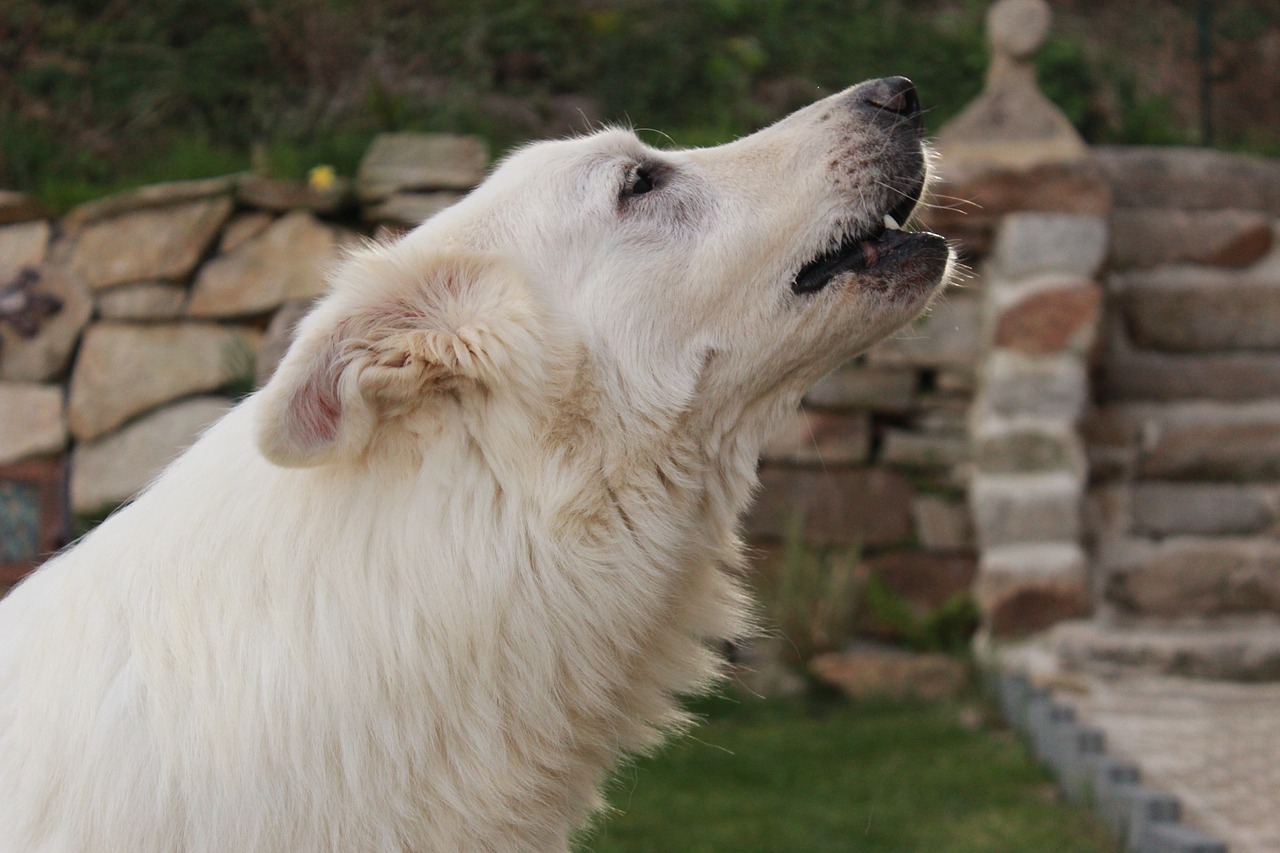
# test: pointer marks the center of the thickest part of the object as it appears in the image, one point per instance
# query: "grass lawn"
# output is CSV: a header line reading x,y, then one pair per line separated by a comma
x,y
819,776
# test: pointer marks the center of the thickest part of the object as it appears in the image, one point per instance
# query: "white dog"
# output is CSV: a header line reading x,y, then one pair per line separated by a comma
x,y
464,550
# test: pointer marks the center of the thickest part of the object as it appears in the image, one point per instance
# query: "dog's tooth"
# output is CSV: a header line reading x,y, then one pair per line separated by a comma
x,y
891,223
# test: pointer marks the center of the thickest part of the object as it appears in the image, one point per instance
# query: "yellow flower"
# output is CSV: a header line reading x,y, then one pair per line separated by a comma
x,y
321,178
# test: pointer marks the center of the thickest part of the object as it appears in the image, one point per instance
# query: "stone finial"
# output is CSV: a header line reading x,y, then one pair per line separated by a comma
x,y
1017,28
1012,124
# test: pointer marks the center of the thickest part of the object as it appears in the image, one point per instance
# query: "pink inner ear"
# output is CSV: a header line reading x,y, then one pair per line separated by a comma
x,y
315,413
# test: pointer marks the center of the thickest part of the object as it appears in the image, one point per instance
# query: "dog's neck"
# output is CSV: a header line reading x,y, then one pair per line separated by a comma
x,y
675,451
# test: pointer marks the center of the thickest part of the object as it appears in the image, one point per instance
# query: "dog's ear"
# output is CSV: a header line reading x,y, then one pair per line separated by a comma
x,y
400,328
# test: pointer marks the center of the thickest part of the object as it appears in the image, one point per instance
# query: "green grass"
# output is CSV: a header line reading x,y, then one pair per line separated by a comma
x,y
810,776
186,159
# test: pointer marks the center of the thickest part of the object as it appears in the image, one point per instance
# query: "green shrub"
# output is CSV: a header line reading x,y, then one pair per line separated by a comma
x,y
99,95
811,600
948,628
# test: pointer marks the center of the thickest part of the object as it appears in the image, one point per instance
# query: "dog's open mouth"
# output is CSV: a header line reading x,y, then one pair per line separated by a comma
x,y
877,247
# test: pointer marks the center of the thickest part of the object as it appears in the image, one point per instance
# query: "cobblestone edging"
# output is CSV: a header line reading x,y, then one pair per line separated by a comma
x,y
1144,818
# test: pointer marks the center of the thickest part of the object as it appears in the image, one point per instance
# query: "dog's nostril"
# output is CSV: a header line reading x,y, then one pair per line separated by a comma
x,y
892,94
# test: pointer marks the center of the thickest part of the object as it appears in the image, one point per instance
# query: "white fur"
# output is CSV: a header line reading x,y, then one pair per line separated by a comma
x,y
423,590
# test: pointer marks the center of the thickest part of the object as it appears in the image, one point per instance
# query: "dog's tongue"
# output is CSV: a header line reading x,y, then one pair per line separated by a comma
x,y
870,254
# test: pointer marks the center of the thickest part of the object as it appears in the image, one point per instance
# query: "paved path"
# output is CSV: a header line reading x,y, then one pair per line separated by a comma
x,y
1214,745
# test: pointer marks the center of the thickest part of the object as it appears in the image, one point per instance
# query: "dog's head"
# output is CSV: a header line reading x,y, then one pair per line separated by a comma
x,y
715,278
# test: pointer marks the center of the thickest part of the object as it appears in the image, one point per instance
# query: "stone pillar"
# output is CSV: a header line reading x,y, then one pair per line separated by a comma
x,y
1037,239
1012,149
1012,124
1043,304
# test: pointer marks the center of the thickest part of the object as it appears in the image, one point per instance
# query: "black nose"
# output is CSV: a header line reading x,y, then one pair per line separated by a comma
x,y
896,95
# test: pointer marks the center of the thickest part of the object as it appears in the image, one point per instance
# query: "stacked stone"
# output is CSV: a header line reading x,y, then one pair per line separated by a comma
x,y
131,324
1185,442
1043,303
882,457
32,421
406,178
1012,149
876,462
1039,218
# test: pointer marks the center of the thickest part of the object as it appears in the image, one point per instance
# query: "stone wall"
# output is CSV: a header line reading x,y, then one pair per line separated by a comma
x,y
133,322
1184,442
876,463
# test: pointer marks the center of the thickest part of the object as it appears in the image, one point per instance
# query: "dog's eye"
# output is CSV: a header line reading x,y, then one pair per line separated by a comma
x,y
640,181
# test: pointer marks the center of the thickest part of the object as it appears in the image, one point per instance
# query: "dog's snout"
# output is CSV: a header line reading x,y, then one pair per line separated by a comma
x,y
893,95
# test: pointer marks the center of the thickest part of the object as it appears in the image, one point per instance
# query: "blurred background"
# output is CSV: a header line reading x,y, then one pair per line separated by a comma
x,y
1020,557
98,95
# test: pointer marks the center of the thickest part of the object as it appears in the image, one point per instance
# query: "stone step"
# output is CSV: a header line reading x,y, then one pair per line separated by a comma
x,y
1194,440
1239,650
1192,308
1128,372
1189,178
1145,375
1162,508
1156,236
1190,577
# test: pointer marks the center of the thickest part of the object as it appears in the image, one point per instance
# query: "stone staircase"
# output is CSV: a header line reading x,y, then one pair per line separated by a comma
x,y
1182,517
1125,459
1240,650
